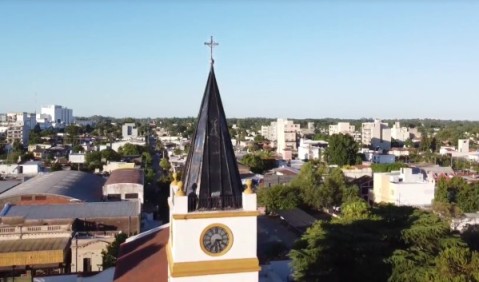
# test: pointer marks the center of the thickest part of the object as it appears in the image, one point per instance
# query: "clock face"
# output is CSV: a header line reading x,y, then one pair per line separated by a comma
x,y
216,240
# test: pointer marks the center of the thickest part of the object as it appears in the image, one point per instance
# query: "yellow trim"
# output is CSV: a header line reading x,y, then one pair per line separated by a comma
x,y
180,191
230,239
199,268
220,214
249,185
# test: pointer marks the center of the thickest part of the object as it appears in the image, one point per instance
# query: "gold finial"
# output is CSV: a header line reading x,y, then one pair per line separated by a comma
x,y
175,179
249,185
180,191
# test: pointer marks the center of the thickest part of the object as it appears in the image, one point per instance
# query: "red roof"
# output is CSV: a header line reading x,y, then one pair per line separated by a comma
x,y
144,258
125,175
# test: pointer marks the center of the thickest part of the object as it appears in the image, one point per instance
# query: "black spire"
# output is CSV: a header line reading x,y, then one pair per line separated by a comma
x,y
211,178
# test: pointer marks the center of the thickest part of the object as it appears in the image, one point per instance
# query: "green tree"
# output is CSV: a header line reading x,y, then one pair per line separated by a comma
x,y
56,167
279,197
165,164
72,134
17,146
322,187
342,150
147,158
110,155
398,243
387,167
149,175
93,160
110,256
259,138
131,150
78,148
34,138
258,162
467,197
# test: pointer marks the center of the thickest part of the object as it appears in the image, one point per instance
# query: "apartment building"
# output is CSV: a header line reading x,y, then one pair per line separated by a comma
x,y
56,115
407,187
284,132
376,134
399,133
129,131
345,128
17,126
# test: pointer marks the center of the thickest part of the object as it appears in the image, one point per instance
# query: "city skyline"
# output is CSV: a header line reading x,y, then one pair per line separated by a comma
x,y
303,60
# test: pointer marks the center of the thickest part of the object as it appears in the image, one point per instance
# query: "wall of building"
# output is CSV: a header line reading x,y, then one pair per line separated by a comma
x,y
376,134
89,248
123,189
32,199
129,131
342,127
245,277
128,225
412,194
185,249
403,188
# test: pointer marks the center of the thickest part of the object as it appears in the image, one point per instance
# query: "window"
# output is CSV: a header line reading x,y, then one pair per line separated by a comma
x,y
26,198
40,198
114,197
131,196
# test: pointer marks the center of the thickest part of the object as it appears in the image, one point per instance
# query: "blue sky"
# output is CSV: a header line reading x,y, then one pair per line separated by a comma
x,y
295,59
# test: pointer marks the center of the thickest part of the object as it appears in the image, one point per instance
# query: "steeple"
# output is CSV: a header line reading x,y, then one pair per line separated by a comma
x,y
211,178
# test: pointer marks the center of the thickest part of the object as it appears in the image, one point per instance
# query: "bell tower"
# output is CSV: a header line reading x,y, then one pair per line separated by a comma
x,y
213,219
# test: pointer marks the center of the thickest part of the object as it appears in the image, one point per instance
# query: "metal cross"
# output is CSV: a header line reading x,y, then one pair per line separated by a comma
x,y
212,45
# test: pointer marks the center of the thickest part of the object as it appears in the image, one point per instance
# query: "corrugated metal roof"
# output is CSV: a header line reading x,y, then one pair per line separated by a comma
x,y
28,245
75,210
74,184
7,184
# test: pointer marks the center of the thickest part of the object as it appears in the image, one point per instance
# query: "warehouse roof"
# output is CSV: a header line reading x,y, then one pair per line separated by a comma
x,y
29,245
7,184
125,175
74,210
74,184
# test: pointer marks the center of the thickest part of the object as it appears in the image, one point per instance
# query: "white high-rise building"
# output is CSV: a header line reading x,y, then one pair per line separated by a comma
x,y
400,133
129,131
342,127
57,115
463,146
17,126
284,132
376,134
345,128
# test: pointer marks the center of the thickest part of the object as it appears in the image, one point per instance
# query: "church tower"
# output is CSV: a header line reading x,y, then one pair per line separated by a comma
x,y
213,220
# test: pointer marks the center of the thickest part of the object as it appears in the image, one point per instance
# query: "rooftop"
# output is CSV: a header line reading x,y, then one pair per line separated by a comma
x,y
74,210
125,175
7,184
77,185
28,245
143,257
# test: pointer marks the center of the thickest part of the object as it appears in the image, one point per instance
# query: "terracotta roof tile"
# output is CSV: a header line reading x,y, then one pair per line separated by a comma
x,y
144,258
